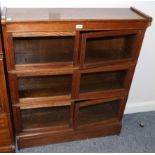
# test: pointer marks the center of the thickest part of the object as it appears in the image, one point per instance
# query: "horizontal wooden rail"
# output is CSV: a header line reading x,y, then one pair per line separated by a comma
x,y
41,34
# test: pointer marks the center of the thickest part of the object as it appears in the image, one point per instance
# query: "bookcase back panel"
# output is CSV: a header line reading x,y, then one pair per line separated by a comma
x,y
44,86
102,81
45,117
102,111
104,49
30,50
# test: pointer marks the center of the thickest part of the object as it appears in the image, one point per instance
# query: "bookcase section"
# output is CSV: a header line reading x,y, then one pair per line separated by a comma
x,y
107,46
44,86
36,50
102,81
93,112
51,117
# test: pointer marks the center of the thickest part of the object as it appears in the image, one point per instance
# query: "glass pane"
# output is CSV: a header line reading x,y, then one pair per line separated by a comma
x,y
98,112
109,48
43,49
44,86
45,117
102,81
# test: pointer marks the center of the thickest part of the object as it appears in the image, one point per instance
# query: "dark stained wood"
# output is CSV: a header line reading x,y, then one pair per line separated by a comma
x,y
103,94
13,88
5,135
31,50
3,91
42,138
95,111
75,84
76,48
130,73
45,86
7,149
3,106
42,103
72,111
44,99
107,47
41,72
6,131
45,117
44,34
70,70
17,119
9,55
63,66
56,26
123,65
121,108
102,81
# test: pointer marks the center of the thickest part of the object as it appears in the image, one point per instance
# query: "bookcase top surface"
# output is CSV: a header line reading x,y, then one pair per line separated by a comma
x,y
49,14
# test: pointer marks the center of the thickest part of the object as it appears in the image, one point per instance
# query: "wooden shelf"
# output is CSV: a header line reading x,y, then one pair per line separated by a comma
x,y
45,117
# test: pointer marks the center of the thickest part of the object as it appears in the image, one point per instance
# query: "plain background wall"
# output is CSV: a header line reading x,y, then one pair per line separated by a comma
x,y
142,93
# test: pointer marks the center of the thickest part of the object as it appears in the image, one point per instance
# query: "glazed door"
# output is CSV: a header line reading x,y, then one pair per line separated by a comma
x,y
97,112
40,49
99,83
54,116
107,47
40,88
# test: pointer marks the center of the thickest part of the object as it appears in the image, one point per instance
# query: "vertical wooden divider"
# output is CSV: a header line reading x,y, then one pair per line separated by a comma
x,y
17,119
14,88
82,50
75,78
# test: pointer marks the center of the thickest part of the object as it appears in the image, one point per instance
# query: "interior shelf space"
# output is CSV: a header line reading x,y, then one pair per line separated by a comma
x,y
44,86
98,113
102,81
104,49
45,117
51,49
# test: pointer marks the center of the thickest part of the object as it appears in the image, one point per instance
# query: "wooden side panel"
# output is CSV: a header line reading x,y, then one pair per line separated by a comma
x,y
7,149
6,133
6,139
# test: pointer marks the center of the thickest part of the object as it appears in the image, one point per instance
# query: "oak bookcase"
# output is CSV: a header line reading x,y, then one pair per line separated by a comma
x,y
70,70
